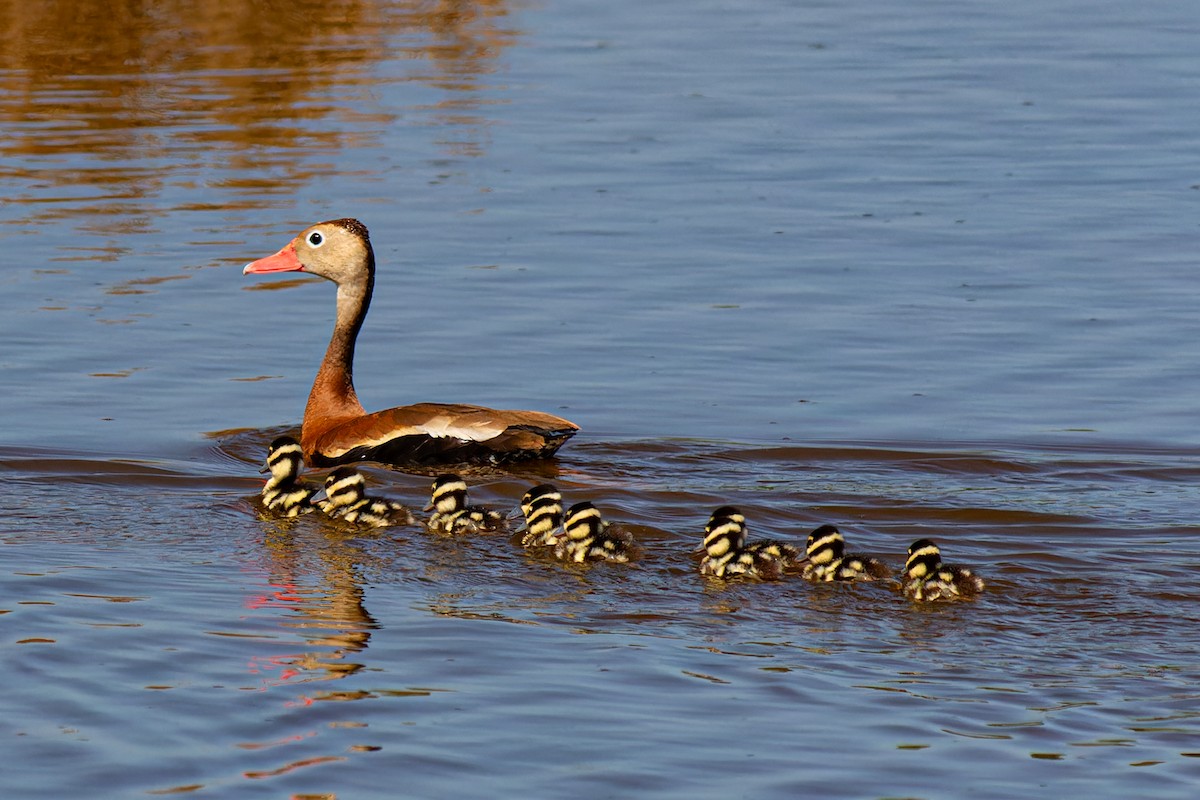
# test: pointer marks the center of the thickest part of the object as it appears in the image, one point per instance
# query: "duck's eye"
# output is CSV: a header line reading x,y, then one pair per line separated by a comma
x,y
315,239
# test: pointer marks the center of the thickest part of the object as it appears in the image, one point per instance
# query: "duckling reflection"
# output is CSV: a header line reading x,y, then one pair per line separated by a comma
x,y
314,588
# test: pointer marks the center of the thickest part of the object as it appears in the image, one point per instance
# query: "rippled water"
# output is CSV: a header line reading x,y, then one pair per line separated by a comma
x,y
919,271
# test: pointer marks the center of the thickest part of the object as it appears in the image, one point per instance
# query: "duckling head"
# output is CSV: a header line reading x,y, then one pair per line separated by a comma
x,y
724,513
449,494
825,545
924,559
542,505
345,486
541,496
284,459
583,520
724,534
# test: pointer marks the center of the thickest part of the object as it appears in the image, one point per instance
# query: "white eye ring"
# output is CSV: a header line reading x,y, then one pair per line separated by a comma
x,y
315,239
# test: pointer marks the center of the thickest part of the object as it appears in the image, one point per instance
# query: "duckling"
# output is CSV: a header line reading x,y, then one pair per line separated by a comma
x,y
590,538
451,514
828,560
726,552
284,493
927,578
542,507
346,499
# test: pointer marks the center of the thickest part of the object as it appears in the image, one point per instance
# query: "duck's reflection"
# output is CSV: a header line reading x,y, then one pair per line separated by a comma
x,y
318,590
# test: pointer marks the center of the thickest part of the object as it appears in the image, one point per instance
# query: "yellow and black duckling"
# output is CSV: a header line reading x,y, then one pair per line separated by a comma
x,y
590,538
285,493
542,507
829,561
451,514
346,499
726,552
927,578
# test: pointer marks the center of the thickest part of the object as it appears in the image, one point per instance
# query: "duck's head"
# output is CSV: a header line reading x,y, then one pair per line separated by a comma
x,y
924,559
825,545
345,486
339,250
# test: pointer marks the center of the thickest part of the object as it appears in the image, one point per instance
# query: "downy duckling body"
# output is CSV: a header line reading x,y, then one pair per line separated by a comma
x,y
828,560
346,499
927,579
285,493
542,507
726,552
590,538
452,514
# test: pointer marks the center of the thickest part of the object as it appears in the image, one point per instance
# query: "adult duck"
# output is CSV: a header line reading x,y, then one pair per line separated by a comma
x,y
338,430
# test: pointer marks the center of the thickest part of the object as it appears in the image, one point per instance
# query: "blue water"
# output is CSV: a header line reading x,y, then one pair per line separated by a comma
x,y
919,270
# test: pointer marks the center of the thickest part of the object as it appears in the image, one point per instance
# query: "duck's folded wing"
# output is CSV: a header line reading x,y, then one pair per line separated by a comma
x,y
429,433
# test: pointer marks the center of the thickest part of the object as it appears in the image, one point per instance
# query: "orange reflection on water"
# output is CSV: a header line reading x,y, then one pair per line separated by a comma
x,y
107,104
326,609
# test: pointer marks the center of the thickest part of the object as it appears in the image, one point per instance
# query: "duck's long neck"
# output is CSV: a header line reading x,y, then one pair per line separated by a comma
x,y
333,396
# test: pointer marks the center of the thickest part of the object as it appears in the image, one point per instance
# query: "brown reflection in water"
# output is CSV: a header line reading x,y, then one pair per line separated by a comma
x,y
326,608
130,97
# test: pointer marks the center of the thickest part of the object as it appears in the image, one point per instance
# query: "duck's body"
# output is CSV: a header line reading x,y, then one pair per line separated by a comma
x,y
927,579
828,560
727,554
451,512
543,511
590,538
346,499
338,430
284,493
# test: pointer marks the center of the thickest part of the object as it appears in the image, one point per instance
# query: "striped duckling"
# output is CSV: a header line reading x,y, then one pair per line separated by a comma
x,y
590,538
726,552
927,578
543,510
346,499
829,561
285,493
451,514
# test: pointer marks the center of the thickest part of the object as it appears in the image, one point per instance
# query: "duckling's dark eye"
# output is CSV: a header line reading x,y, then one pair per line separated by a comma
x,y
316,239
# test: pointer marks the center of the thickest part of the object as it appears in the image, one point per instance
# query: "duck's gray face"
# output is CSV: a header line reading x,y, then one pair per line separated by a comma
x,y
339,250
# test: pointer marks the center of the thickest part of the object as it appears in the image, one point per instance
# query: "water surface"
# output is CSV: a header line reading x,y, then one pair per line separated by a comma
x,y
919,272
